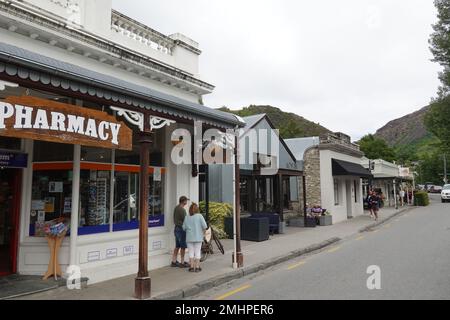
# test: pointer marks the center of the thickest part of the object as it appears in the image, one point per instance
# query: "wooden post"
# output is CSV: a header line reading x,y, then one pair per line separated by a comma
x,y
305,206
280,197
143,281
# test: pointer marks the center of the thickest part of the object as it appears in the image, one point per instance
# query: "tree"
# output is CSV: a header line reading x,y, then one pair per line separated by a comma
x,y
437,122
375,148
440,44
438,118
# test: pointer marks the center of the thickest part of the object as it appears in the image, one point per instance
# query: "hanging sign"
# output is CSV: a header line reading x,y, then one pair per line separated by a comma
x,y
13,159
47,120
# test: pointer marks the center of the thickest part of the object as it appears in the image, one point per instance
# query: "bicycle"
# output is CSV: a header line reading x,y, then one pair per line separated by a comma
x,y
207,246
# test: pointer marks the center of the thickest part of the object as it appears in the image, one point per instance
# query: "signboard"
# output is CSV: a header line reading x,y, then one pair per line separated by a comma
x,y
13,160
47,120
404,172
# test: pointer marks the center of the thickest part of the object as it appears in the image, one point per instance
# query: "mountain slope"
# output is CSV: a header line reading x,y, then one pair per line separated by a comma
x,y
409,129
290,125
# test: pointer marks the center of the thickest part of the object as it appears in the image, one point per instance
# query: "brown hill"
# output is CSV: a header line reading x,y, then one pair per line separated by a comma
x,y
406,130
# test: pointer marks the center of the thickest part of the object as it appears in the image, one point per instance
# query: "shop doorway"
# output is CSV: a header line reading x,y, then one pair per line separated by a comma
x,y
9,219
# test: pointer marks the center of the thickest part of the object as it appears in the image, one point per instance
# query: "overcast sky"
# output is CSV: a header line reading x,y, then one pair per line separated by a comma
x,y
351,65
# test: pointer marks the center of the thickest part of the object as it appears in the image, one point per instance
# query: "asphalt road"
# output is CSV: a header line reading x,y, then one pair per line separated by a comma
x,y
412,252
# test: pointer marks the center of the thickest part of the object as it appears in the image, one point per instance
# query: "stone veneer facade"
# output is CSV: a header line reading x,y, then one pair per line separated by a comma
x,y
312,176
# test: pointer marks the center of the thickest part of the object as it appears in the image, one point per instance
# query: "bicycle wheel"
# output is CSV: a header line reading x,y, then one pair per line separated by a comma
x,y
205,252
217,241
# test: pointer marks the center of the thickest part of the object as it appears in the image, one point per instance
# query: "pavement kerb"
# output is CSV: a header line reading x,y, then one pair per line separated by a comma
x,y
237,274
379,223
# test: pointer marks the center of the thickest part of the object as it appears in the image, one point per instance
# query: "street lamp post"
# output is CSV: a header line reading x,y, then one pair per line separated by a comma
x,y
395,194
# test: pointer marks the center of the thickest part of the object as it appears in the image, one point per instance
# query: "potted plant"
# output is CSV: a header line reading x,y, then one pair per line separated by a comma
x,y
326,219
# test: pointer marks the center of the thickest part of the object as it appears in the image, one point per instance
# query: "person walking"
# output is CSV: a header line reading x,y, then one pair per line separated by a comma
x,y
179,215
369,201
195,227
376,199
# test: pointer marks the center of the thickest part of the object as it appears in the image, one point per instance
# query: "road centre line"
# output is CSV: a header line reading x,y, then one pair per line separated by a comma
x,y
229,294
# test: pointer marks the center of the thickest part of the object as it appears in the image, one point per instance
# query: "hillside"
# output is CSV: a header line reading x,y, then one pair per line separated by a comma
x,y
409,129
409,136
290,125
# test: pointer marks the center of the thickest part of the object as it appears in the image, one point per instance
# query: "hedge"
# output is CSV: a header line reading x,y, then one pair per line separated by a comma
x,y
421,199
217,214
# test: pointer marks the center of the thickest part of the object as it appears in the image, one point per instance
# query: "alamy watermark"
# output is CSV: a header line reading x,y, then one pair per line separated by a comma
x,y
374,280
256,147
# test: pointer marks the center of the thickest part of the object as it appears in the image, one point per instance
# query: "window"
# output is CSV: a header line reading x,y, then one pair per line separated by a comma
x,y
286,193
264,194
126,193
51,196
355,185
336,192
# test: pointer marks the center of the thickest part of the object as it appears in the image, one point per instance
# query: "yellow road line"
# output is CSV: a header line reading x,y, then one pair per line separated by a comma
x,y
359,238
229,294
333,249
296,265
388,225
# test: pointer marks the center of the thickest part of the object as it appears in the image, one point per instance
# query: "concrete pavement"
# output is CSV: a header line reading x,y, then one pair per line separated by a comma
x,y
411,250
174,283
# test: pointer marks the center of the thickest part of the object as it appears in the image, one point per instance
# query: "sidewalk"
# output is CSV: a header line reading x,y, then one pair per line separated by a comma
x,y
175,283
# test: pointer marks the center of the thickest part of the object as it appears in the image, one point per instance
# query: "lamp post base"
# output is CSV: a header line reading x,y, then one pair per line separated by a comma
x,y
240,259
142,288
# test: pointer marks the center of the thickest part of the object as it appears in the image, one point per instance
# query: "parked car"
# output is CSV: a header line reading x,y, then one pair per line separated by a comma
x,y
436,189
445,193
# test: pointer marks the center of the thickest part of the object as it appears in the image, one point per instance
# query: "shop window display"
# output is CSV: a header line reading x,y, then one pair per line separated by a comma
x,y
51,198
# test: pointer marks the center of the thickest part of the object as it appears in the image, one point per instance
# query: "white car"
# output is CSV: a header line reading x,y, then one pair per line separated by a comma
x,y
445,194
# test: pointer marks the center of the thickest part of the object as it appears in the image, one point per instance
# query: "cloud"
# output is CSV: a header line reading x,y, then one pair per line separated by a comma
x,y
351,65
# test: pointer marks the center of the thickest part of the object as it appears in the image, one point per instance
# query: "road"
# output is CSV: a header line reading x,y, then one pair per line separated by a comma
x,y
412,252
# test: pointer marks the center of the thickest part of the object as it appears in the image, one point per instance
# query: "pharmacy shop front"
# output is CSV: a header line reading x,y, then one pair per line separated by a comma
x,y
74,156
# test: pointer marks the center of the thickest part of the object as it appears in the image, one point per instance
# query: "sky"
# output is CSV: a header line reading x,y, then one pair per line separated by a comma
x,y
350,65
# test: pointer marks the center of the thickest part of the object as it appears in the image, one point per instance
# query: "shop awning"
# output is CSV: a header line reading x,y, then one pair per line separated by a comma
x,y
344,168
27,65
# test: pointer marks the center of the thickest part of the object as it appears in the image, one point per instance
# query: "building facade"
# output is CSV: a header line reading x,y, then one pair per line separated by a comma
x,y
87,93
333,174
261,191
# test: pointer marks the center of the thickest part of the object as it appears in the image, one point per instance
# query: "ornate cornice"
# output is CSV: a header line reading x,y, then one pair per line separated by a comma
x,y
115,50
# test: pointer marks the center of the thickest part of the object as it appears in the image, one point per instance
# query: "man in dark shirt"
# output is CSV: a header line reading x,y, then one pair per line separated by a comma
x,y
180,235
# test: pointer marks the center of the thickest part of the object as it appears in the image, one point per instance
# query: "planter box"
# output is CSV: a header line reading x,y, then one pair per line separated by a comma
x,y
300,223
326,221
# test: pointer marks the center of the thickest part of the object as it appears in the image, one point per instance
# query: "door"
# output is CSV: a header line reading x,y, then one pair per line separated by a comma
x,y
9,219
349,196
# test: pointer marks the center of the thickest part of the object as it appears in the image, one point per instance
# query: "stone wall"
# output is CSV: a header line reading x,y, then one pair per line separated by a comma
x,y
312,176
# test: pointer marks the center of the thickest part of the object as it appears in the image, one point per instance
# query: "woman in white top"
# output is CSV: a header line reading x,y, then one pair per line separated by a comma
x,y
195,227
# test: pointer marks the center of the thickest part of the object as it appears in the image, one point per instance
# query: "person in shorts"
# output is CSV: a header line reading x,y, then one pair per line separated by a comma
x,y
179,214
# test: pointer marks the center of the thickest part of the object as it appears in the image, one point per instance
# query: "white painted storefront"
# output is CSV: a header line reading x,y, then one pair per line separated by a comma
x,y
349,202
92,36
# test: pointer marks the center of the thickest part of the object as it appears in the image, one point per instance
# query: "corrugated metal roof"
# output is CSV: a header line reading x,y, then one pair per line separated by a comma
x,y
95,81
300,145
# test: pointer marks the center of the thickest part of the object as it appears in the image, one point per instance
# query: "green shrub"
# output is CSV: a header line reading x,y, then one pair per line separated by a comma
x,y
421,199
217,214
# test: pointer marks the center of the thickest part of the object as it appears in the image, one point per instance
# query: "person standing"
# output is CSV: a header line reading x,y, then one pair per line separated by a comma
x,y
402,197
195,227
179,215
